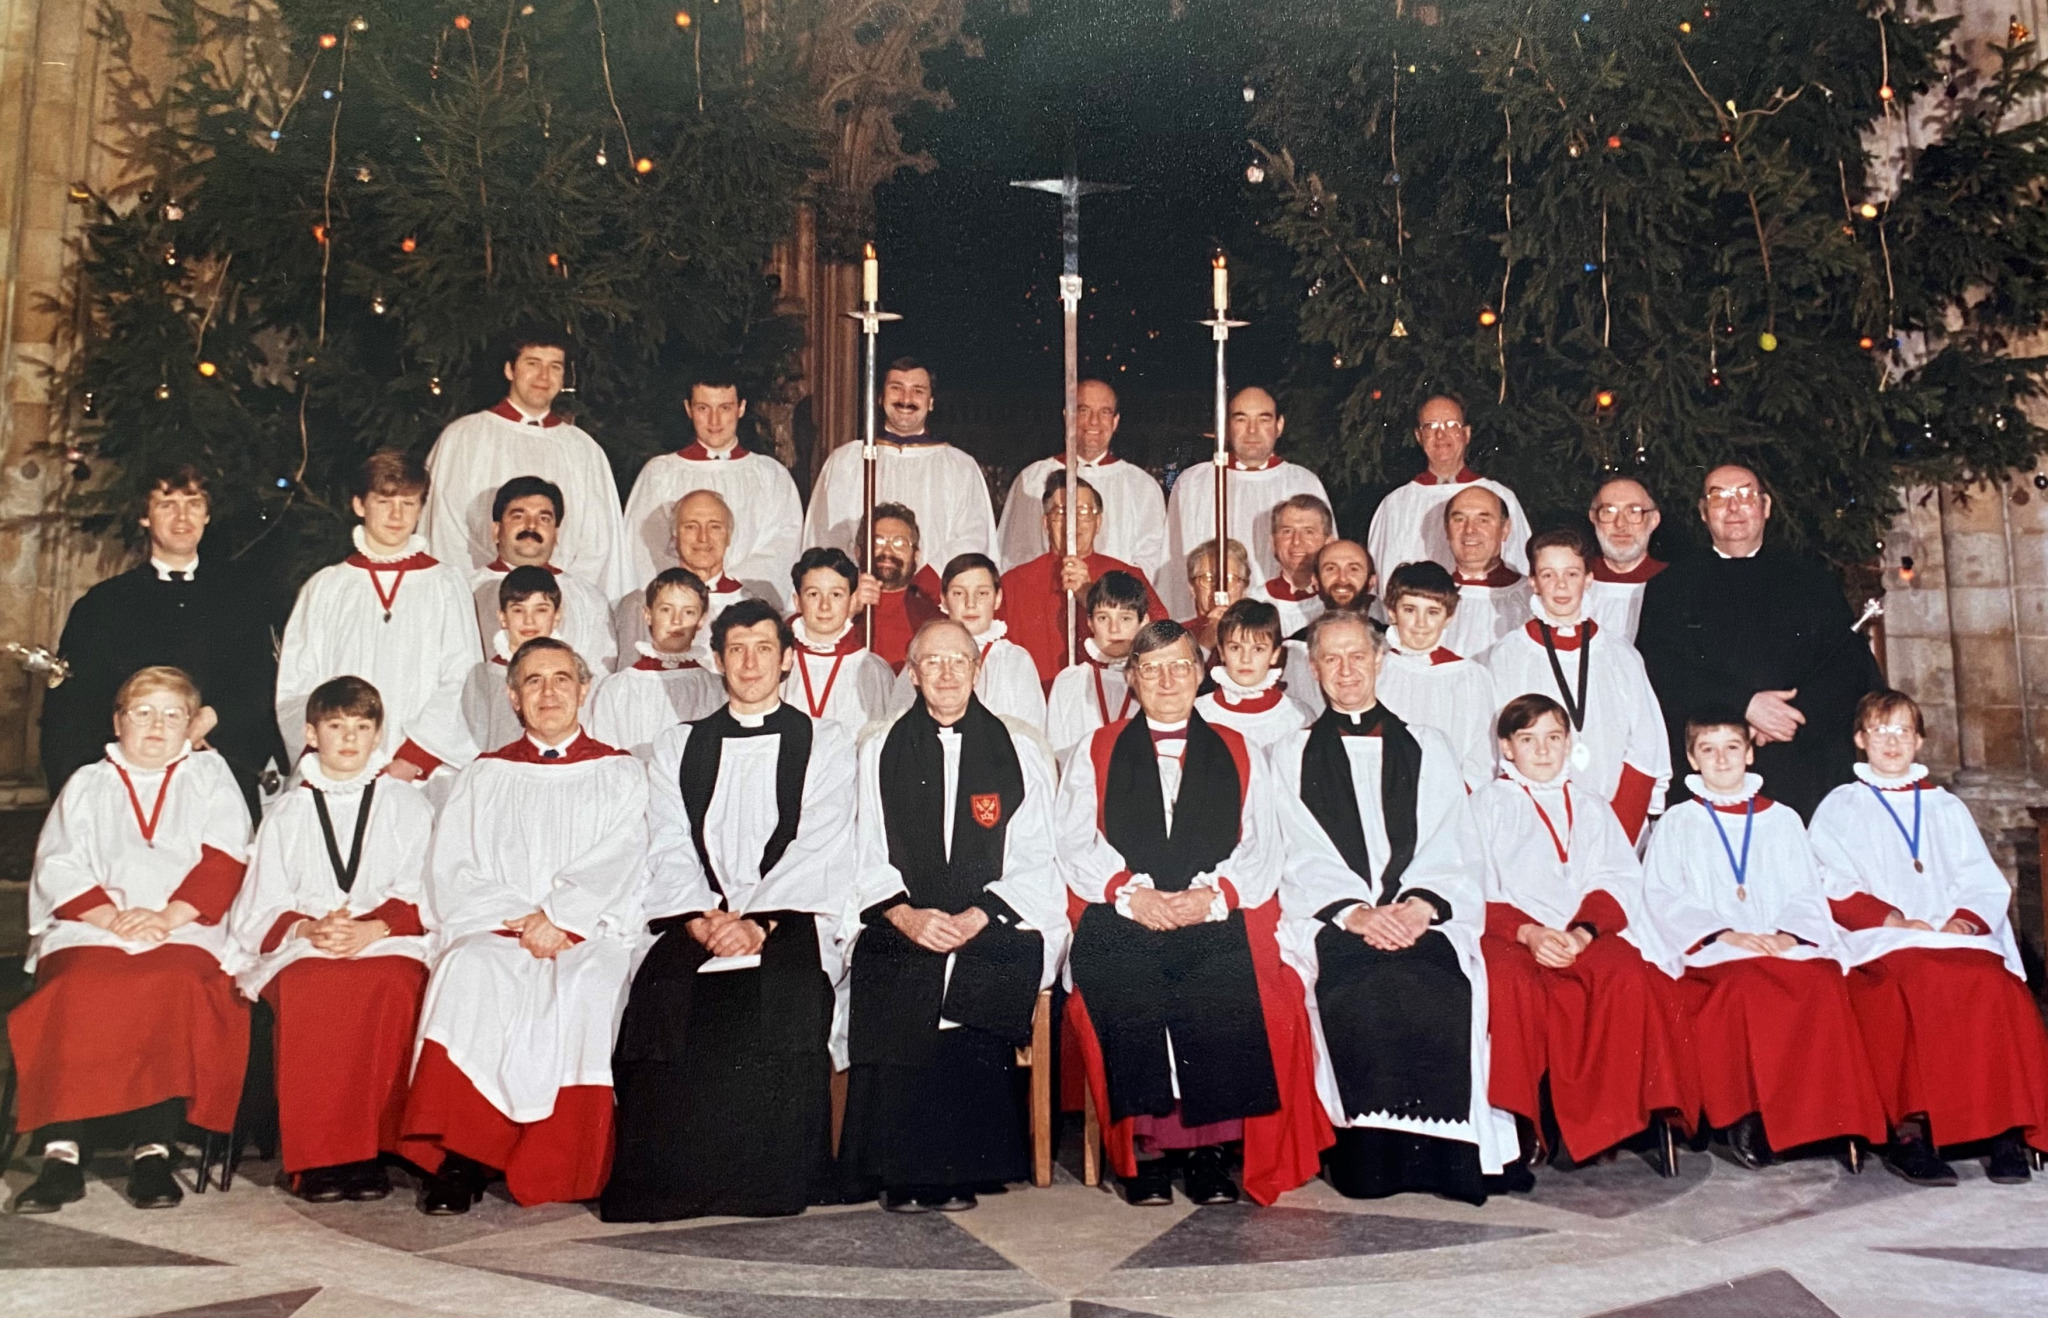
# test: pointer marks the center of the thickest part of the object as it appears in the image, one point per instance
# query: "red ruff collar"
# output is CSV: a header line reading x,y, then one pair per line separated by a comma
x,y
505,409
503,568
1645,568
1465,476
695,452
1763,803
1587,627
1280,588
1502,575
1258,704
1923,784
1273,462
410,563
523,751
646,664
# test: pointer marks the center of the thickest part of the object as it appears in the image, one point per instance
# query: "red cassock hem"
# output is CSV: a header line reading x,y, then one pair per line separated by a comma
x,y
1955,1035
344,1045
1283,1149
108,1031
1779,1038
564,1158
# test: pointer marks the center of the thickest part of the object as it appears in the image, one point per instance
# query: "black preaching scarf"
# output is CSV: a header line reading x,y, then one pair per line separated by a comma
x,y
1206,814
698,777
990,789
1329,794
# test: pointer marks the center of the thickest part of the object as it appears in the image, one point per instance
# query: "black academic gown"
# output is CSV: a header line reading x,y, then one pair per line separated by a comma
x,y
929,1108
216,627
1715,631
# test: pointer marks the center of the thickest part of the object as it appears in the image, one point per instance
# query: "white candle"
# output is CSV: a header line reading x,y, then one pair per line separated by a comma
x,y
1220,285
870,277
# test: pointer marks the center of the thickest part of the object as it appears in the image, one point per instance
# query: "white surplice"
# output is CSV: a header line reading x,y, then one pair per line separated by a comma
x,y
1263,714
1085,696
943,485
487,703
767,516
1485,614
1133,526
1624,723
1408,526
634,706
1454,695
1191,521
838,679
584,620
567,838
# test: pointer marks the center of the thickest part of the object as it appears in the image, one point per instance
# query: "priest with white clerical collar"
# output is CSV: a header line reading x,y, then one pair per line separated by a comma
x,y
1408,525
1384,905
963,919
725,1052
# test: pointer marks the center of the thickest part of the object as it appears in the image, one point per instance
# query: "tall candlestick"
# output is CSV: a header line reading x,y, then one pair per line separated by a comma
x,y
870,277
1219,282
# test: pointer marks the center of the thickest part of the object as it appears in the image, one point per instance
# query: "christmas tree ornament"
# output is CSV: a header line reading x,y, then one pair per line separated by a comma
x,y
1399,331
434,385
378,306
173,211
408,244
1868,210
1604,399
163,393
643,165
1255,173
1713,379
462,22
601,159
1250,94
170,255
1488,317
1767,341
683,18
208,369
359,24
1866,343
1685,29
1885,93
328,41
1614,141
2016,32
362,173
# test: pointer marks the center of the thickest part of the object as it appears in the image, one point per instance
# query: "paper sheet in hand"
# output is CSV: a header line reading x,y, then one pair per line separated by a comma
x,y
751,961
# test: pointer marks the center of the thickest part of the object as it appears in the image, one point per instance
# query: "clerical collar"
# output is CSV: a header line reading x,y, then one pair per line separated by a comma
x,y
1096,656
165,572
123,762
1718,553
1236,692
1751,784
662,659
414,546
832,644
1520,779
518,415
1167,731
1465,476
313,776
754,720
1543,616
1357,717
1915,774
560,748
697,452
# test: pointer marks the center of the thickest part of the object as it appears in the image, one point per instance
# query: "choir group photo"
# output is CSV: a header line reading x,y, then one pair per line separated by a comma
x,y
622,691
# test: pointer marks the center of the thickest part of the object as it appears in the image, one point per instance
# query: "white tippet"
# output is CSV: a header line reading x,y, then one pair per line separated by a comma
x,y
838,679
941,484
1086,696
93,838
767,516
1624,730
634,706
1133,525
1191,520
290,871
1263,714
584,621
1525,871
418,658
1444,691
1450,861
1008,682
1408,526
477,453
567,838
813,874
1488,609
1030,881
1689,878
1861,840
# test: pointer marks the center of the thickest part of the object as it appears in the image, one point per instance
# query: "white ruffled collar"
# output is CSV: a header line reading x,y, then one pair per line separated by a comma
x,y
1752,783
1914,773
1236,692
417,544
996,631
114,754
314,776
1520,779
1095,653
823,645
687,659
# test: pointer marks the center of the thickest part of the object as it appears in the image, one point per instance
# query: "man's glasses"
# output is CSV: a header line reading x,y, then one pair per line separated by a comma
x,y
1153,670
902,544
935,664
1609,513
1440,427
1733,496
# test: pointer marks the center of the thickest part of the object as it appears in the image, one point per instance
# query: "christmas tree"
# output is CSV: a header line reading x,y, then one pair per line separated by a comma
x,y
1645,238
337,214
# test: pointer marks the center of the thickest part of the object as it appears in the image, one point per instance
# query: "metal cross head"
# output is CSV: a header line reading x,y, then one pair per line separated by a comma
x,y
1069,189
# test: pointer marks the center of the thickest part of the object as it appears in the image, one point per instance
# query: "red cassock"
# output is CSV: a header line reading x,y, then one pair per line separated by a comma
x,y
563,1158
1282,1149
1036,609
901,612
1607,1029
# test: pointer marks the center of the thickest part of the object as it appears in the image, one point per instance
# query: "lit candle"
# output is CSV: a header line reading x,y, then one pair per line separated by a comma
x,y
870,277
1220,285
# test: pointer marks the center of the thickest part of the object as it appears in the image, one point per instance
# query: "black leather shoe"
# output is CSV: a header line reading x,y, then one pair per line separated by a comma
x,y
364,1182
1208,1177
1747,1147
952,1199
151,1185
320,1185
455,1188
60,1183
1917,1161
2008,1163
1152,1187
903,1201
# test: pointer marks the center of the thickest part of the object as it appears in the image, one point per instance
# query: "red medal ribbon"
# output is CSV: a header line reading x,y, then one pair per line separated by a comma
x,y
384,598
815,703
1102,697
1563,854
163,792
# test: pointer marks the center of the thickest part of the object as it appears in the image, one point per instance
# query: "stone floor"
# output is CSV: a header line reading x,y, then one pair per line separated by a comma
x,y
1803,1240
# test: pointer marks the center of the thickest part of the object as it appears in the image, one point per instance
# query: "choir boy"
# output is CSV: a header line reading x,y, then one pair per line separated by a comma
x,y
835,676
1249,694
333,937
133,1027
1956,1039
1035,592
1007,681
526,523
1730,884
1096,691
1581,990
1425,681
529,605
666,683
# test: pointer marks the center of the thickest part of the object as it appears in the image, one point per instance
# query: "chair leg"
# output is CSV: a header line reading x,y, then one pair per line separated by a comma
x,y
1041,1091
231,1157
2036,1159
1669,1141
1091,1141
199,1183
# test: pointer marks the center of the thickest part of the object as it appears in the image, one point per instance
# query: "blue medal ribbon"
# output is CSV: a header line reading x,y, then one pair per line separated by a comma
x,y
1912,838
1741,867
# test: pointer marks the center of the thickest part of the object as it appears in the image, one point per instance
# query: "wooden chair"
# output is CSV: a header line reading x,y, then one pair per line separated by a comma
x,y
1036,1057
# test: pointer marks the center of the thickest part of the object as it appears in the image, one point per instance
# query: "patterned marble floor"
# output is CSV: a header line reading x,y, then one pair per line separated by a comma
x,y
1803,1240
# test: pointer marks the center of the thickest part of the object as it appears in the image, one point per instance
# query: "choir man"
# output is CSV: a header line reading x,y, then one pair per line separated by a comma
x,y
1035,592
703,529
526,521
393,615
535,881
1429,684
333,936
1383,908
1007,678
1492,597
1581,990
724,1053
835,676
1619,749
1190,1032
1096,691
1407,526
767,515
1249,693
1202,586
1624,517
1133,528
962,920
1939,990
1259,481
1345,579
903,591
133,1027
522,436
666,683
1731,886
1302,525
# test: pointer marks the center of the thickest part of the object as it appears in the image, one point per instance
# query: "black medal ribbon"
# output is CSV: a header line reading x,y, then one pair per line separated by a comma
x,y
1574,706
344,875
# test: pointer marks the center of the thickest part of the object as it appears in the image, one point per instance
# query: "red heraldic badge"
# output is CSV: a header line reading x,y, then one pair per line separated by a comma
x,y
988,809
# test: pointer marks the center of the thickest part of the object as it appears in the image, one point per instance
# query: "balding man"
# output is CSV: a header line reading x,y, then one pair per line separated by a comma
x,y
1624,516
703,539
1260,481
1493,598
1133,523
1752,627
1408,525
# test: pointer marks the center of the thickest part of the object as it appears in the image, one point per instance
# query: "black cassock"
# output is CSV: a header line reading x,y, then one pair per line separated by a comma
x,y
926,1107
723,1081
1715,631
216,626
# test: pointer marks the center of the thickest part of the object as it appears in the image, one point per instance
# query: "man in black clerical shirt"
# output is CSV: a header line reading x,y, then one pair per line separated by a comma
x,y
1761,629
172,610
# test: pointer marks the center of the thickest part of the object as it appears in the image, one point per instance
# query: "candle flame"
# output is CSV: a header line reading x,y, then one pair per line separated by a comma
x,y
1219,262
868,253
